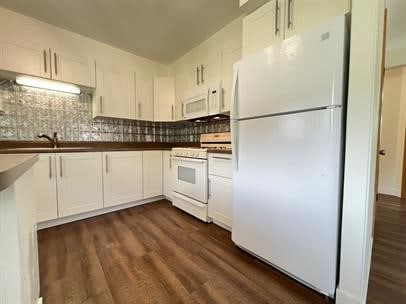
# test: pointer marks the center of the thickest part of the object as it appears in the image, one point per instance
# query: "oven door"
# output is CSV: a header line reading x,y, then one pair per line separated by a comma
x,y
190,177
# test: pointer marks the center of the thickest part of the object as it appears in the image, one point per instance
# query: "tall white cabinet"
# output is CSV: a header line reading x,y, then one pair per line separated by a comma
x,y
152,173
45,187
122,177
79,182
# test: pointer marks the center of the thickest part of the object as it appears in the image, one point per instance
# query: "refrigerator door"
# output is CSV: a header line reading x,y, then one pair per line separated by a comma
x,y
305,71
287,193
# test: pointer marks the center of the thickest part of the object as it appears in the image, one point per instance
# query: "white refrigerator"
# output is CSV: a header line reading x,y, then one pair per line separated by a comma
x,y
288,136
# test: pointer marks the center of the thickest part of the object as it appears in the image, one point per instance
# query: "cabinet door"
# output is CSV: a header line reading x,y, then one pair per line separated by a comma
x,y
167,168
80,182
210,68
181,84
122,177
221,199
152,172
164,99
145,97
25,58
73,68
303,14
115,93
45,188
263,27
229,58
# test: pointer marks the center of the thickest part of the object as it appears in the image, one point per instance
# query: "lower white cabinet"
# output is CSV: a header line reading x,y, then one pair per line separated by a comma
x,y
167,172
45,188
122,177
80,182
152,173
220,189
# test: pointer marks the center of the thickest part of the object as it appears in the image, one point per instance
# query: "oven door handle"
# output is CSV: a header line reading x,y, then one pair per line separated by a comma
x,y
192,160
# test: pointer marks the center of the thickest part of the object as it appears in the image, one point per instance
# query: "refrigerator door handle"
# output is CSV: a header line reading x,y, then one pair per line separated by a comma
x,y
234,95
234,143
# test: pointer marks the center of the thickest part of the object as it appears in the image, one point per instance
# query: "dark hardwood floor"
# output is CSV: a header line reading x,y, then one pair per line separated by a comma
x,y
156,254
387,283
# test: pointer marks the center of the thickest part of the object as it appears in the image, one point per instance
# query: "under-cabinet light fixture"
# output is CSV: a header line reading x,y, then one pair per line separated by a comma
x,y
47,84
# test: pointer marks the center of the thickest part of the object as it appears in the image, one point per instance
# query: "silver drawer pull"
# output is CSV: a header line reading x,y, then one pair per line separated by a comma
x,y
223,158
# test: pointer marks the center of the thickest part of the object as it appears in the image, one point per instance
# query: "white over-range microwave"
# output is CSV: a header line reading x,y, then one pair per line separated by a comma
x,y
203,101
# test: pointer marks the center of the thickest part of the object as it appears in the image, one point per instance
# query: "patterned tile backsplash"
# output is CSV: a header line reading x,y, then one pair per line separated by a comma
x,y
30,111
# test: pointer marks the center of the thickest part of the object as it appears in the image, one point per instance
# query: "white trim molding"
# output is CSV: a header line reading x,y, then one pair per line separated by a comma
x,y
361,149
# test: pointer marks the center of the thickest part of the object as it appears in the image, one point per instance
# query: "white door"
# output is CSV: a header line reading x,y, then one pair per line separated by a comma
x,y
152,173
80,182
263,27
25,58
221,199
164,99
287,192
45,188
145,97
122,177
73,68
167,171
115,93
304,72
303,14
229,58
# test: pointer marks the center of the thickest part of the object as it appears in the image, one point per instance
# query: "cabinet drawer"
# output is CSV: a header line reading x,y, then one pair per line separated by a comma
x,y
221,165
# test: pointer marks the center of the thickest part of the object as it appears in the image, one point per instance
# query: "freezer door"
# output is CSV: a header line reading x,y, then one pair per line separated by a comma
x,y
287,193
303,72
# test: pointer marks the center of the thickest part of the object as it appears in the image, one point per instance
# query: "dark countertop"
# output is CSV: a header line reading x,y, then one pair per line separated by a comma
x,y
16,147
12,166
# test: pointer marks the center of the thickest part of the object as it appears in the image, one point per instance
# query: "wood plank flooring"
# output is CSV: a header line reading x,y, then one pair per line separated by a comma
x,y
387,284
156,254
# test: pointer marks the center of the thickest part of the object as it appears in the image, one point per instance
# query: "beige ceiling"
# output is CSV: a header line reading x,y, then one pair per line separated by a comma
x,y
161,30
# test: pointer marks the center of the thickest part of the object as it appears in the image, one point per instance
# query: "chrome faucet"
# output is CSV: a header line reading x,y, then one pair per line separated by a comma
x,y
54,140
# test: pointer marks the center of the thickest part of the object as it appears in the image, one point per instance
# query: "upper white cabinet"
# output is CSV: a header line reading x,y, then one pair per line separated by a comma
x,y
74,68
79,182
25,58
280,19
152,173
144,96
42,61
115,93
122,177
45,188
303,14
164,99
263,27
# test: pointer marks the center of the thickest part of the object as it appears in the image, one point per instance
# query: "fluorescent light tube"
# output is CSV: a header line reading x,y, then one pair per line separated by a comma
x,y
47,84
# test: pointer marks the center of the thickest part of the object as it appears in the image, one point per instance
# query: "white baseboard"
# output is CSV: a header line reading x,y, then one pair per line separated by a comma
x,y
389,191
224,226
343,297
39,301
85,215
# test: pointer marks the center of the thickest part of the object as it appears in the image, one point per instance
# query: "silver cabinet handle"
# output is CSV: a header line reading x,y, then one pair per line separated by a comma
x,y
382,152
209,188
56,63
290,22
50,167
222,158
60,166
45,62
197,75
183,109
201,73
276,17
139,109
173,112
107,163
101,104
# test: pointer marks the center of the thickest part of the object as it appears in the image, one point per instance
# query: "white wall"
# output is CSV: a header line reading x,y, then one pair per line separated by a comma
x,y
393,125
360,154
17,27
